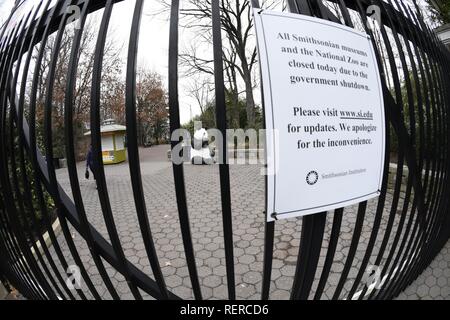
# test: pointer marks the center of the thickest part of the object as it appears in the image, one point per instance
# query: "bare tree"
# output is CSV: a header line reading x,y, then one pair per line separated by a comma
x,y
240,58
199,88
152,104
111,71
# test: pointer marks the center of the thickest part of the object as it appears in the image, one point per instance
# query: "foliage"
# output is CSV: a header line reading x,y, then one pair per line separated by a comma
x,y
152,104
239,46
236,115
411,115
31,216
151,94
440,10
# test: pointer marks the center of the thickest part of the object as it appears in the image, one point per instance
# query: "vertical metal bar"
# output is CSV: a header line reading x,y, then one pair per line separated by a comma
x,y
19,110
415,236
352,250
396,197
25,182
133,151
422,222
48,138
269,233
418,244
308,256
97,149
24,200
70,153
312,226
300,6
34,149
408,191
441,127
422,235
8,268
323,12
269,228
70,209
404,142
20,113
23,222
11,208
398,175
10,255
10,241
8,259
7,192
432,224
345,14
337,219
15,256
442,106
332,245
440,236
302,258
221,120
178,169
380,205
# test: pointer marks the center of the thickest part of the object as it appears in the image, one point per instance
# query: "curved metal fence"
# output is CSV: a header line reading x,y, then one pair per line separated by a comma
x,y
406,226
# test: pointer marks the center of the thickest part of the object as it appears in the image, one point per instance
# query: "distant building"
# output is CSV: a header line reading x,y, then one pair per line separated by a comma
x,y
113,142
443,33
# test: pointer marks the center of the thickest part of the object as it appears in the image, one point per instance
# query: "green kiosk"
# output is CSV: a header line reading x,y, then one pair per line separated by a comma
x,y
113,142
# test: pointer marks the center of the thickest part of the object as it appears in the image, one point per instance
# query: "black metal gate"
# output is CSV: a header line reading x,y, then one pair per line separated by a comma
x,y
406,233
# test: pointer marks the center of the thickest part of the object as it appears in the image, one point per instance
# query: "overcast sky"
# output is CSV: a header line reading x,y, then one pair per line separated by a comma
x,y
153,43
5,9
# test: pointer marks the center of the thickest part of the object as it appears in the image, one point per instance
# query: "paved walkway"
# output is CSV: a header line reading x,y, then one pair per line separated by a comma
x,y
434,282
203,193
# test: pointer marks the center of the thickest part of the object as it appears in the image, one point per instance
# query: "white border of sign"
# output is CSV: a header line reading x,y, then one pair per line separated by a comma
x,y
271,145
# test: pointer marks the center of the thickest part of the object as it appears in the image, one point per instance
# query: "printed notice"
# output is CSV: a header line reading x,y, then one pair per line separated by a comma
x,y
323,97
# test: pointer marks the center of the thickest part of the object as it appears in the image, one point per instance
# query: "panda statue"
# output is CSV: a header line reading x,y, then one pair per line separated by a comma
x,y
200,151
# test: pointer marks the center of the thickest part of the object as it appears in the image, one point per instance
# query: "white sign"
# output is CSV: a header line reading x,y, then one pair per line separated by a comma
x,y
323,96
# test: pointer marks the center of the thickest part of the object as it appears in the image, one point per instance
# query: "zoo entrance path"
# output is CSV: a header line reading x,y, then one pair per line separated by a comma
x,y
203,194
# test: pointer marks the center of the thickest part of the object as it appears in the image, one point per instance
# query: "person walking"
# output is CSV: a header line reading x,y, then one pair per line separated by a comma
x,y
90,163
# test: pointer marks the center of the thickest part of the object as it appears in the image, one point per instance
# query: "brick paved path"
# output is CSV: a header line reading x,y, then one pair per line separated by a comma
x,y
203,193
